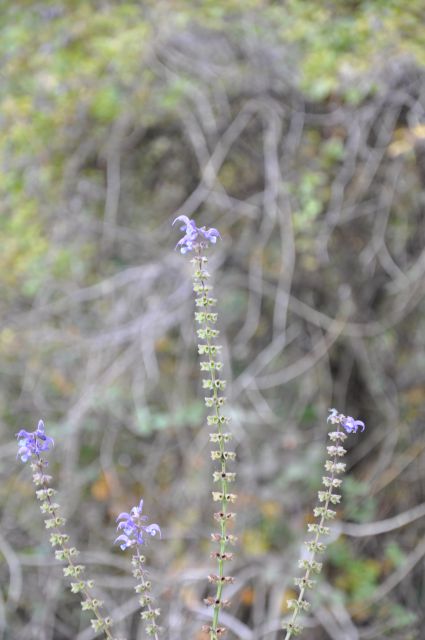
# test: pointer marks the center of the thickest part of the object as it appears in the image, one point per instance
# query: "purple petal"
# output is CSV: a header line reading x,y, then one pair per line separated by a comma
x,y
348,424
361,424
186,243
191,229
24,434
139,537
351,425
121,538
212,234
40,426
152,530
126,542
24,454
123,515
46,443
184,219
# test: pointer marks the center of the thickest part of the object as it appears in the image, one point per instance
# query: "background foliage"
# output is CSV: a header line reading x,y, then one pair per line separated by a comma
x,y
297,128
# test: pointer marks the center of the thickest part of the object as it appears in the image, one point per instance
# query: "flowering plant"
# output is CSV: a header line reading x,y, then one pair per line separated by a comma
x,y
343,425
132,527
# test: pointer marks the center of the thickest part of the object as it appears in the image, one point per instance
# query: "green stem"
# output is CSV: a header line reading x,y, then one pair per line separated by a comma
x,y
298,607
145,589
105,623
218,419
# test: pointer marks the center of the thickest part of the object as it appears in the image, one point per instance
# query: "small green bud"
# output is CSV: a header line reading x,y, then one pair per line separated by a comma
x,y
304,583
73,570
336,450
223,475
295,629
310,565
331,482
97,625
316,528
327,514
335,467
334,436
220,437
299,605
57,539
315,546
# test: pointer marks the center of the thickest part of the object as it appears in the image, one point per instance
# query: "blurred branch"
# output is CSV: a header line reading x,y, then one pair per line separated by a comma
x,y
382,526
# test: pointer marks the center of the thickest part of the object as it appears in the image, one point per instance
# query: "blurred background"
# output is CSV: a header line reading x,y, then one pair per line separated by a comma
x,y
296,128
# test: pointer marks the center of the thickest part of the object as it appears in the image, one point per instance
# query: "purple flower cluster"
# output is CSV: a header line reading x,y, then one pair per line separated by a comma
x,y
347,422
133,529
33,443
195,237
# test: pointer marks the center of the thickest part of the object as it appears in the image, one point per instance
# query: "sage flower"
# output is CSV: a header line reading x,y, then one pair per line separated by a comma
x,y
195,237
131,524
133,529
32,443
347,422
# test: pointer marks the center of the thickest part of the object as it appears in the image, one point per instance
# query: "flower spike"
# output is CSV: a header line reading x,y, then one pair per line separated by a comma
x,y
133,535
198,239
327,497
32,444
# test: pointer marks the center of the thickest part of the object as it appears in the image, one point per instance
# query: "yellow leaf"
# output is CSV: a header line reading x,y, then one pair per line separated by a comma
x,y
419,131
101,489
271,509
254,542
399,147
247,596
288,594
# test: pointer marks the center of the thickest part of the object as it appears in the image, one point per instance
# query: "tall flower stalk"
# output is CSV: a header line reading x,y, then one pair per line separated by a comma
x,y
196,240
132,535
31,446
343,425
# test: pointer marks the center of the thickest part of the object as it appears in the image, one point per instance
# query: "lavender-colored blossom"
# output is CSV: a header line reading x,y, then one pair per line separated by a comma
x,y
347,422
195,237
32,443
351,425
133,530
